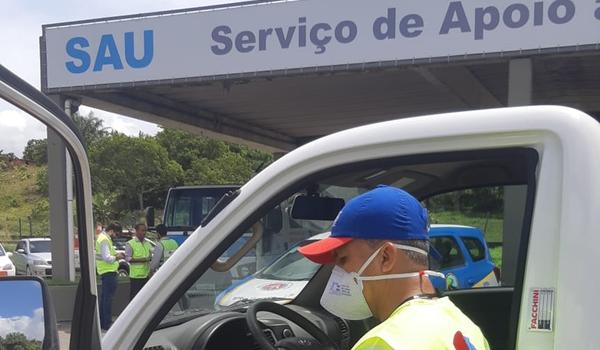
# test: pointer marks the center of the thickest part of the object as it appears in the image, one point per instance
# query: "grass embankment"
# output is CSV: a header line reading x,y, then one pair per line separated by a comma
x,y
491,226
20,199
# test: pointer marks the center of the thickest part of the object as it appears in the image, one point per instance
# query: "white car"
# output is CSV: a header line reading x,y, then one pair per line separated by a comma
x,y
33,256
7,268
283,279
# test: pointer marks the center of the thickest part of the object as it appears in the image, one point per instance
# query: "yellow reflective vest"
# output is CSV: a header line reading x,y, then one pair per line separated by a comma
x,y
102,266
169,246
424,324
139,250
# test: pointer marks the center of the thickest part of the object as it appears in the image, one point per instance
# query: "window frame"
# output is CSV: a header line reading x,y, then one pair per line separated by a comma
x,y
530,154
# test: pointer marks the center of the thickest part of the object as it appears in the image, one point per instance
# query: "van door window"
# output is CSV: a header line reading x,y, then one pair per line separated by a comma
x,y
467,233
474,218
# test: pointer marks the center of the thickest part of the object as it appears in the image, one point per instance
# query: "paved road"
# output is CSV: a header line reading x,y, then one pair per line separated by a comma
x,y
64,334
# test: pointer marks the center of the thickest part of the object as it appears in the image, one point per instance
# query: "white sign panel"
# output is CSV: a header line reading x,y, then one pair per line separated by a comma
x,y
309,33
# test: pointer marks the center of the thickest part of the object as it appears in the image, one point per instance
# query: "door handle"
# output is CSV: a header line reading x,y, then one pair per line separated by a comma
x,y
471,282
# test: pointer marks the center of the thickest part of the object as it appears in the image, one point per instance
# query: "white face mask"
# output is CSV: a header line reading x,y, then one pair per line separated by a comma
x,y
343,295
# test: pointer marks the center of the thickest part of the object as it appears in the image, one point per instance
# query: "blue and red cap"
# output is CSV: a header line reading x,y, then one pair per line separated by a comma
x,y
384,213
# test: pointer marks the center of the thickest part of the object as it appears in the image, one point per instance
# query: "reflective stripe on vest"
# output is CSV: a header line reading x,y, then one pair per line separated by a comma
x,y
102,266
169,246
139,251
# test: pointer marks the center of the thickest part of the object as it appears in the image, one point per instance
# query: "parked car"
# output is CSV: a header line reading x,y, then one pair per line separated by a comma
x,y
33,257
464,257
283,278
7,268
461,254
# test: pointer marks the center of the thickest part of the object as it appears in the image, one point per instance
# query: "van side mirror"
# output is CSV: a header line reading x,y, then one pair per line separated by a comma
x,y
21,251
30,318
150,217
9,254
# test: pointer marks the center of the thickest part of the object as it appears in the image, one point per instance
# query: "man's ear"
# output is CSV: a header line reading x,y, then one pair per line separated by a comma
x,y
389,257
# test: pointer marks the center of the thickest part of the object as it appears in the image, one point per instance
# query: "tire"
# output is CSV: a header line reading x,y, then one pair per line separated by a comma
x,y
28,271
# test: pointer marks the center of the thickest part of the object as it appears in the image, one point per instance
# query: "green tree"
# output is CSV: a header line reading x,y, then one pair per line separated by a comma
x,y
132,167
91,127
206,161
36,151
104,206
185,148
41,181
7,157
18,341
229,169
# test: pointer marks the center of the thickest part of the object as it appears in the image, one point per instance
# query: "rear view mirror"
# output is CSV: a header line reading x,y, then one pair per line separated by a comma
x,y
27,318
316,208
20,251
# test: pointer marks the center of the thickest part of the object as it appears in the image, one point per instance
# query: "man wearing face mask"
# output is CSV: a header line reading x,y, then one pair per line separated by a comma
x,y
379,245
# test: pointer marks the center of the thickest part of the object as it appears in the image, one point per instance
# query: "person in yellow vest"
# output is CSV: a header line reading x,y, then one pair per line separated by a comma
x,y
379,245
164,249
138,252
107,264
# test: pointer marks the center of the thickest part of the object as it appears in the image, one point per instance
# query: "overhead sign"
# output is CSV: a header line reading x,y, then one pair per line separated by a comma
x,y
308,33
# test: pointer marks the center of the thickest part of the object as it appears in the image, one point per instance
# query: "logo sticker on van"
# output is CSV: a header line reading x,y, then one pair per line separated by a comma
x,y
541,309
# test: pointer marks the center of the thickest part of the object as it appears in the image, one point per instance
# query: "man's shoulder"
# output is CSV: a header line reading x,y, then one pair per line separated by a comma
x,y
411,325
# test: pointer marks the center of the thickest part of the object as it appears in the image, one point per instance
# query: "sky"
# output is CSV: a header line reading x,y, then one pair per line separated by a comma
x,y
20,28
25,313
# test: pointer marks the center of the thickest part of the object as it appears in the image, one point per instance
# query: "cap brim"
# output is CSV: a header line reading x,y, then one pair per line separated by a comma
x,y
321,251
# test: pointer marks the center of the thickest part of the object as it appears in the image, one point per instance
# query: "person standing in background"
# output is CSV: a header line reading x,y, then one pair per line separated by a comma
x,y
164,249
107,264
138,252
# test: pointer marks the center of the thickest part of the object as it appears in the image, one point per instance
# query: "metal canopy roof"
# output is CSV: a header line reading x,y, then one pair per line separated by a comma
x,y
281,110
280,113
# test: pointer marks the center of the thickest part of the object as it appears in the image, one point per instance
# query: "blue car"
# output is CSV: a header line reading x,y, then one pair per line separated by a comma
x,y
462,254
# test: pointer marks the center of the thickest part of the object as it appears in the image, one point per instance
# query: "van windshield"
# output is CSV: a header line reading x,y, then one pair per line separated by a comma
x,y
291,266
462,221
186,207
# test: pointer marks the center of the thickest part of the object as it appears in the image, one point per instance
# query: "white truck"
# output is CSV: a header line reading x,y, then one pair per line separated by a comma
x,y
545,160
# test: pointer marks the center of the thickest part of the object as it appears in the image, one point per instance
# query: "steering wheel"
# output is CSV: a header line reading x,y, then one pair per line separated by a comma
x,y
291,343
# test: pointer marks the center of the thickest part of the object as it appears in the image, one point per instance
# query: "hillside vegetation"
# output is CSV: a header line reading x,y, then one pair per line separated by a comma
x,y
20,199
129,173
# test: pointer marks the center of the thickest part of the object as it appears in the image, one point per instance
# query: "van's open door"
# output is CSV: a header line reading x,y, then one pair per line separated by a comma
x,y
85,332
